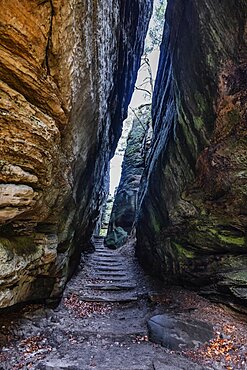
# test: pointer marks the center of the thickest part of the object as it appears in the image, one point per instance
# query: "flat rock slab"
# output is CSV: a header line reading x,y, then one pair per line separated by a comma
x,y
110,268
111,286
104,259
117,298
104,253
111,274
56,365
176,333
114,279
177,364
107,263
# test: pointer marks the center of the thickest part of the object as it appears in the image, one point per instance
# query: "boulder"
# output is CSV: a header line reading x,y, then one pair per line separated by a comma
x,y
177,333
116,238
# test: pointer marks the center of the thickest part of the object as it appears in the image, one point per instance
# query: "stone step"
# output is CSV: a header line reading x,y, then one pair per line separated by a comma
x,y
110,298
115,279
111,286
104,254
104,259
106,264
110,269
110,274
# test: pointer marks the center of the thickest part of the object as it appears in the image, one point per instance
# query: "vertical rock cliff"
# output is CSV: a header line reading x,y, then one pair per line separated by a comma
x,y
125,202
193,218
67,73
126,199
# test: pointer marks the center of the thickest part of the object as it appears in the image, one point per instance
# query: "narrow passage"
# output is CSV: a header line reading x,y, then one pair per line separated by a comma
x,y
101,321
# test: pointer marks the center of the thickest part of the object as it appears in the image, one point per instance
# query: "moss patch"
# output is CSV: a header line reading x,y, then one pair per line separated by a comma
x,y
182,251
22,246
228,239
232,240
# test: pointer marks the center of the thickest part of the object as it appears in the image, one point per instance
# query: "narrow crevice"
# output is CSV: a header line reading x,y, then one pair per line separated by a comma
x,y
135,141
49,40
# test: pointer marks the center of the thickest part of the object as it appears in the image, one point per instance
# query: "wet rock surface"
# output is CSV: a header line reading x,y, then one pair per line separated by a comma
x,y
192,218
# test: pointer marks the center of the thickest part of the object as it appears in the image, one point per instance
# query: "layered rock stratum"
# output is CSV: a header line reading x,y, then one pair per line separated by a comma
x,y
67,72
192,219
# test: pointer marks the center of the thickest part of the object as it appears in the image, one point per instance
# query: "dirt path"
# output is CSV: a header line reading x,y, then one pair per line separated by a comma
x,y
99,324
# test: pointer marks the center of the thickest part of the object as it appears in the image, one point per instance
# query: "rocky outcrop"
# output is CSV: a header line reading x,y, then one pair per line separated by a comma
x,y
125,202
67,72
193,218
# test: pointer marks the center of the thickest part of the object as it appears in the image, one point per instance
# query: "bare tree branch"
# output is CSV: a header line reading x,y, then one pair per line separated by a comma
x,y
133,111
140,89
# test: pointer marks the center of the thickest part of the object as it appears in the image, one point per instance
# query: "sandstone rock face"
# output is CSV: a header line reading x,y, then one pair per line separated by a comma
x,y
67,71
193,218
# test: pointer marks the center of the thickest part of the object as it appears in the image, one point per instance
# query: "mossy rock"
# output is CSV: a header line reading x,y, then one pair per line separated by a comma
x,y
116,238
22,245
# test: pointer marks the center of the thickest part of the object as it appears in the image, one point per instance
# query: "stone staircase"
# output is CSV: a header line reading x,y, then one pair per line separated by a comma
x,y
100,324
110,276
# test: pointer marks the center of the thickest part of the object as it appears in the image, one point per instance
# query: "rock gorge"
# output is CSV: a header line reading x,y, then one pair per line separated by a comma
x,y
67,73
192,220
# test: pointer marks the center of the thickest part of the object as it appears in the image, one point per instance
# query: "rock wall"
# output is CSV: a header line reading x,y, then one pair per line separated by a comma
x,y
193,218
125,202
67,72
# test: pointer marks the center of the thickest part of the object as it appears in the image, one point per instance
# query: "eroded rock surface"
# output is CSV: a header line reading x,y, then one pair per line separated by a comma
x,y
192,220
67,71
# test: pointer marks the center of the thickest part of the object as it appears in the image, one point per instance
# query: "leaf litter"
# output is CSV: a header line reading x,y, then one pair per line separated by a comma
x,y
228,347
85,309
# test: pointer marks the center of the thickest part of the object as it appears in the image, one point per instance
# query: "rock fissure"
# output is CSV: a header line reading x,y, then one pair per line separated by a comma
x,y
49,38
